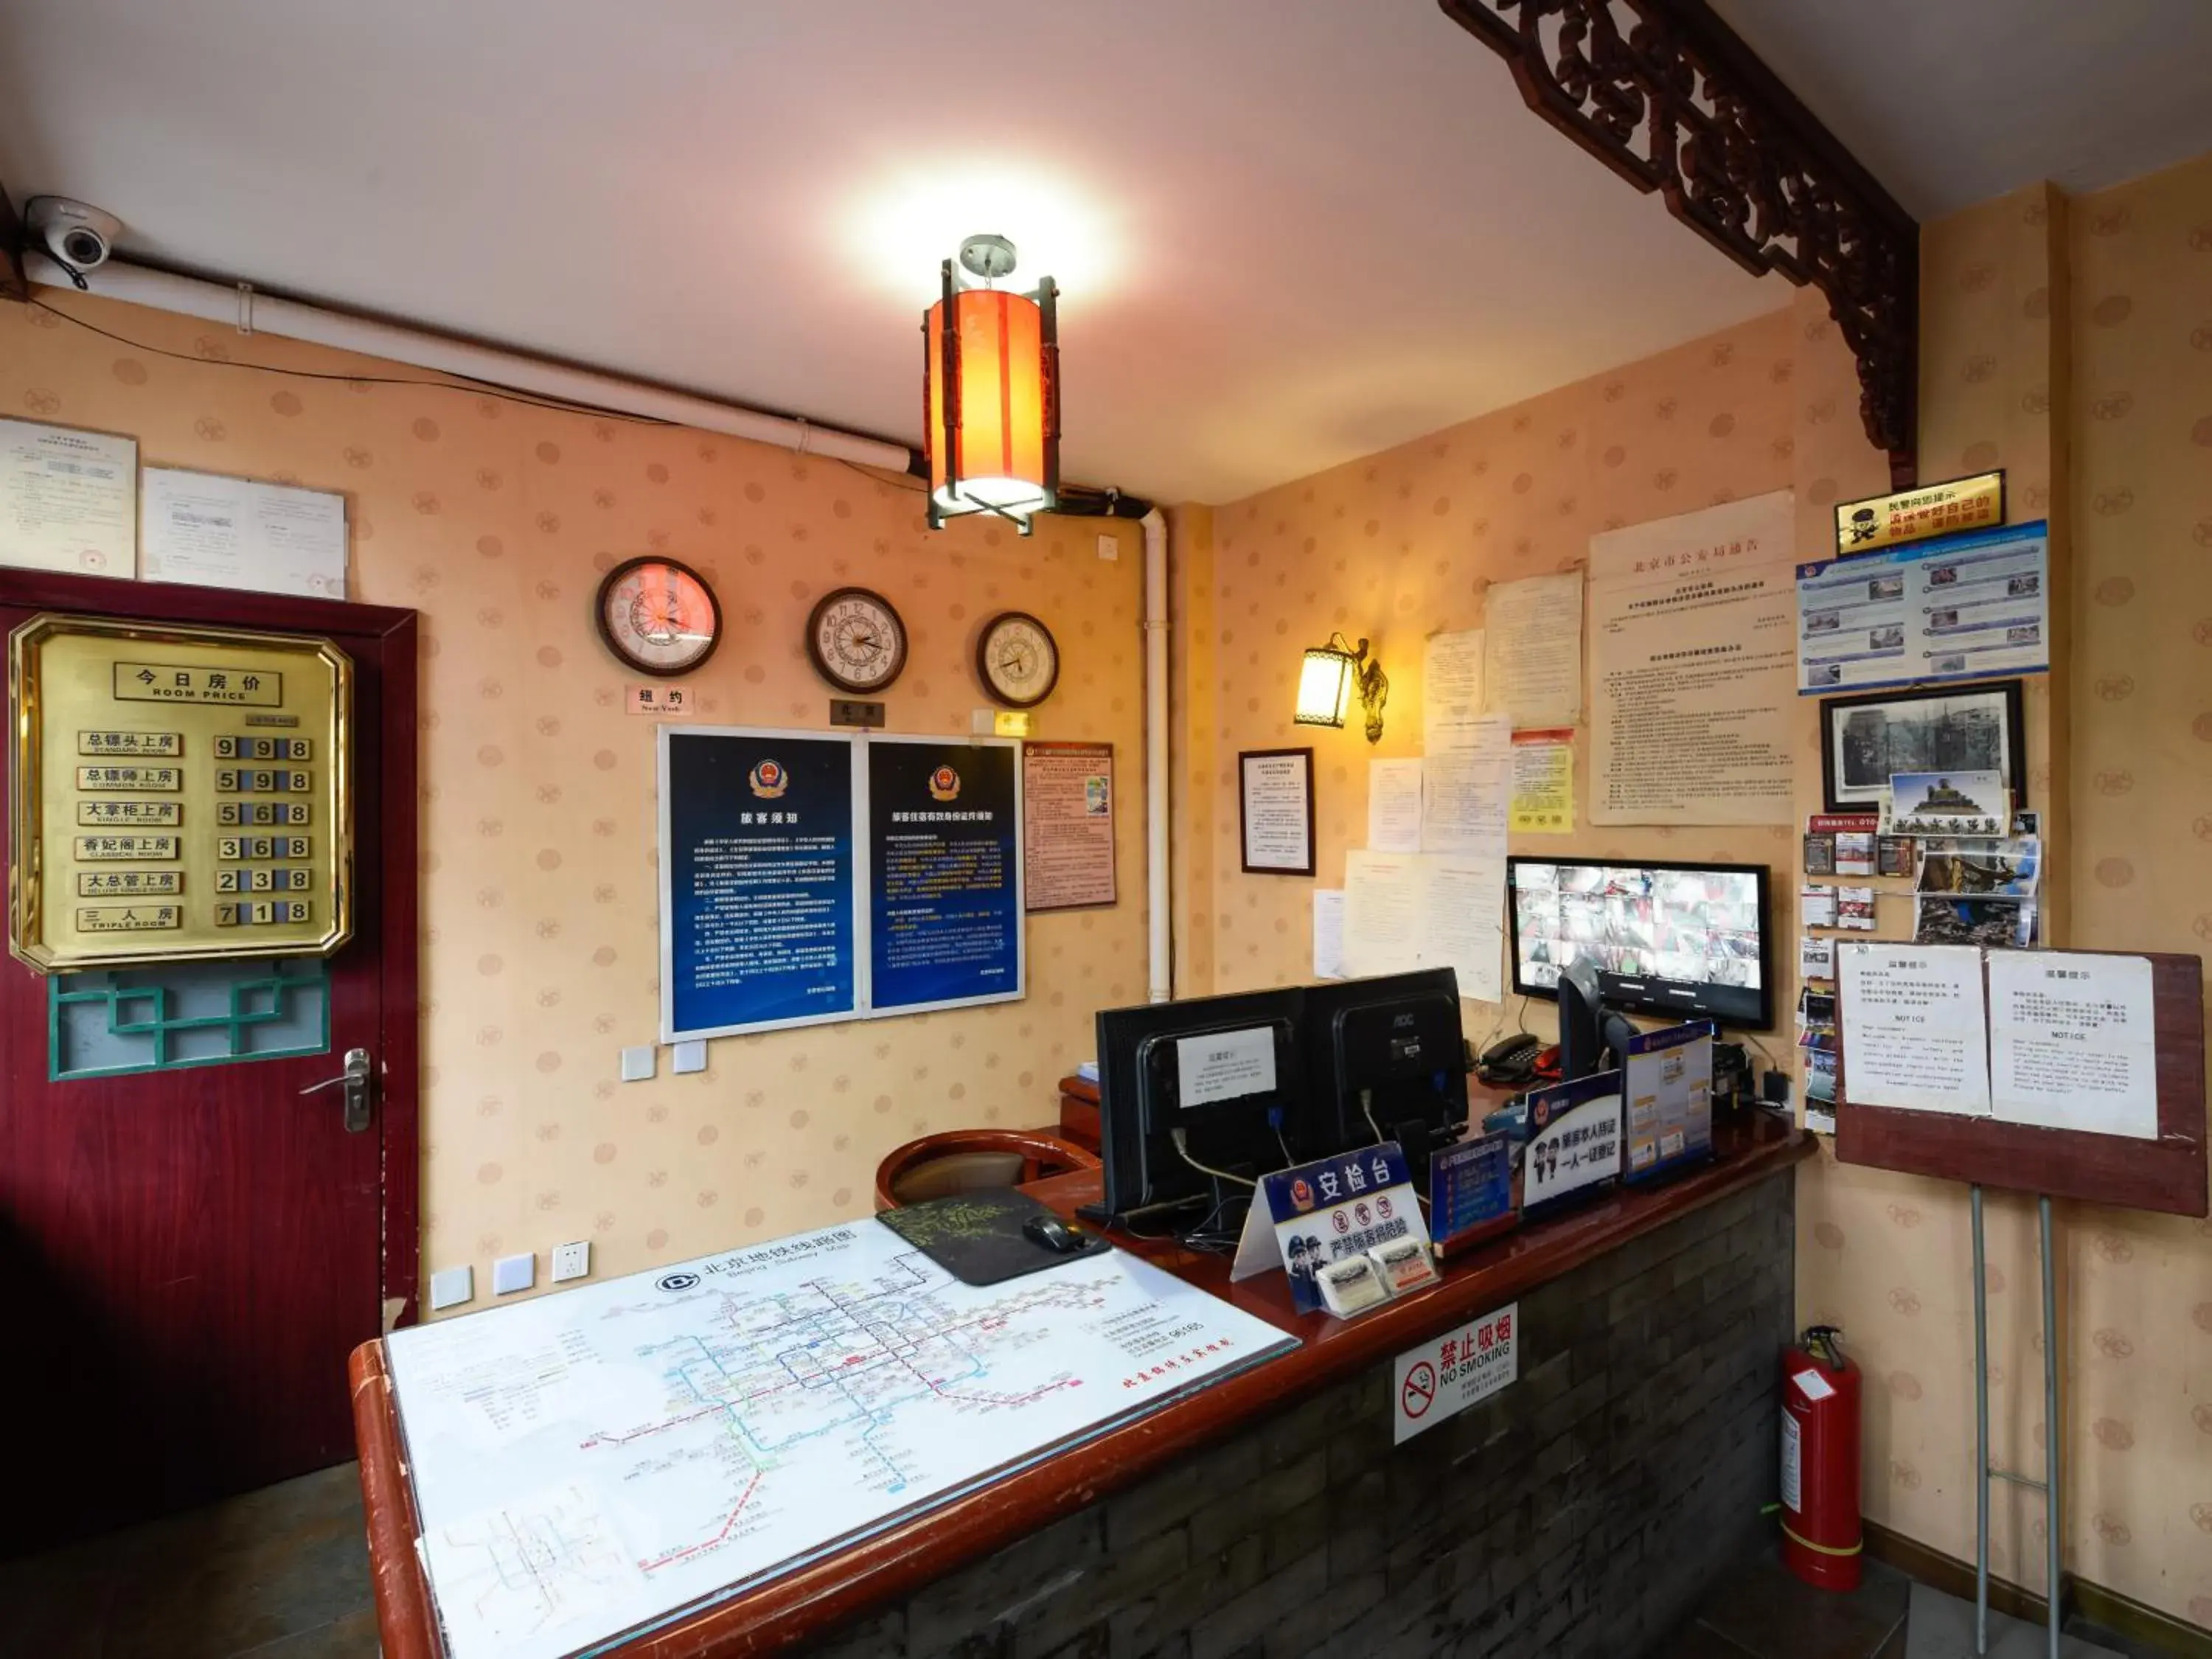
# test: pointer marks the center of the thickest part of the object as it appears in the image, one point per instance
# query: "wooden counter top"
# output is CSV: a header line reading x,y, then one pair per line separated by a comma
x,y
773,1616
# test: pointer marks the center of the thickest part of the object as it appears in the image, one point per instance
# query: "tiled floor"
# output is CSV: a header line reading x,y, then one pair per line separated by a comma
x,y
281,1573
1761,1612
284,1574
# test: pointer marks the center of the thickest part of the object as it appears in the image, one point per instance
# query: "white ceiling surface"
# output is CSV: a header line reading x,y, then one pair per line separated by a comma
x,y
1952,102
1288,233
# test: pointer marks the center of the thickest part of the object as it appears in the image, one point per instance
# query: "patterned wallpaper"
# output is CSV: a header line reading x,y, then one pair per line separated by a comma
x,y
2070,343
494,520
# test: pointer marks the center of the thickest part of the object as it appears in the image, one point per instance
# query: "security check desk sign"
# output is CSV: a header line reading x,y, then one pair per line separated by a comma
x,y
1311,1217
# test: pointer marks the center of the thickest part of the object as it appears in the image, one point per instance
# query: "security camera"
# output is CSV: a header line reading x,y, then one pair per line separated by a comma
x,y
76,233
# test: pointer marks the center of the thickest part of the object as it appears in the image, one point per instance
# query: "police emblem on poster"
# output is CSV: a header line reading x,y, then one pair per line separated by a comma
x,y
944,872
768,780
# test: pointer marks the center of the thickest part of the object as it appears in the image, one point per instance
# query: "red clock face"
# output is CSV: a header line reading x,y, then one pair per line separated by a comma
x,y
659,616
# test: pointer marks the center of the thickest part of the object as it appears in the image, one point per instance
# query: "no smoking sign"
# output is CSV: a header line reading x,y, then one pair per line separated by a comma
x,y
1445,1376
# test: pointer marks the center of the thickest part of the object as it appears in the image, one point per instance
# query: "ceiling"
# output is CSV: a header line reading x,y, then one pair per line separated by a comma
x,y
1951,102
1288,232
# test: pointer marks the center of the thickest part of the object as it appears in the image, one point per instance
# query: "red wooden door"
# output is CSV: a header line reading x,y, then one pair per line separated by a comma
x,y
189,1255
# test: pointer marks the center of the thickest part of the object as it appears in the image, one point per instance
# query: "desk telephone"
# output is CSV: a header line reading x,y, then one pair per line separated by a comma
x,y
1512,1061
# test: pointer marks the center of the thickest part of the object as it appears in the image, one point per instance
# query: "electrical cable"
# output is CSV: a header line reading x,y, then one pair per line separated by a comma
x,y
1183,1152
447,383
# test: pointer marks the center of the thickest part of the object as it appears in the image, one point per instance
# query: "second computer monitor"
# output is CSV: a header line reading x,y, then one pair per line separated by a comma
x,y
1386,1060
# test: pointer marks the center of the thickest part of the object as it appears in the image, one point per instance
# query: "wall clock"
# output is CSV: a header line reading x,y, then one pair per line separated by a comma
x,y
1018,660
857,641
659,616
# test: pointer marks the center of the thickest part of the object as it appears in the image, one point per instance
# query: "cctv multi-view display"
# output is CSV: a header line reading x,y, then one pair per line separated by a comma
x,y
1672,939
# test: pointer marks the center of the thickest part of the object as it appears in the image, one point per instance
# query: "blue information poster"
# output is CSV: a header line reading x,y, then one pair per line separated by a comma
x,y
756,870
944,877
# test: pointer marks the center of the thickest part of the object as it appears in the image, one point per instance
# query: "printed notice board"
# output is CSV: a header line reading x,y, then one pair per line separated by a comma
x,y
806,878
945,902
1964,607
758,924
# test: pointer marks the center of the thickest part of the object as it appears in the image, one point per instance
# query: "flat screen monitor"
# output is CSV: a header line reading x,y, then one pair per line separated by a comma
x,y
1223,1071
1679,941
1386,1058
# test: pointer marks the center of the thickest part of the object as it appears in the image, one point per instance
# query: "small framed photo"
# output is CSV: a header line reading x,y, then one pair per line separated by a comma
x,y
1863,739
1275,811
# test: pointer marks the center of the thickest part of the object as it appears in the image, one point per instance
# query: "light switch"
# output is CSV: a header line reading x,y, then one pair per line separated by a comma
x,y
1109,547
513,1273
637,1063
572,1260
689,1056
450,1286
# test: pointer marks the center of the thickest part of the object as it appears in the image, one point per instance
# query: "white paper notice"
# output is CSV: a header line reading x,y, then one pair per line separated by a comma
x,y
1380,913
68,500
1693,666
1225,1066
214,532
1914,1029
1534,674
1328,933
1393,807
1460,905
1467,789
1451,685
1277,810
2071,1043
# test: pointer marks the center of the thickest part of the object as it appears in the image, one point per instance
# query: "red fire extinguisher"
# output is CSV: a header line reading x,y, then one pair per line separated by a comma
x,y
1821,1536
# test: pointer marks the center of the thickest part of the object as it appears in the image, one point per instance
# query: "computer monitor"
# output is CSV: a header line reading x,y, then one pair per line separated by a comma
x,y
1679,941
1222,1073
1591,1036
1386,1060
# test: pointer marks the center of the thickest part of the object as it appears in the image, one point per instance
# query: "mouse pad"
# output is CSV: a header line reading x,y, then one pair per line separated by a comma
x,y
977,1236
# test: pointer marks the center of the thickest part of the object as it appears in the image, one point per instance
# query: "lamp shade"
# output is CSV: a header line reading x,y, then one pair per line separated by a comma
x,y
992,402
1325,683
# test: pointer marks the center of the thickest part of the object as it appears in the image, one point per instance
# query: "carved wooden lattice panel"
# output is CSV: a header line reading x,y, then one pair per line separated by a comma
x,y
1666,94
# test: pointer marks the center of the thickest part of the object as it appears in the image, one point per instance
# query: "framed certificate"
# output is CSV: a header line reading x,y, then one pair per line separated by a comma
x,y
1275,813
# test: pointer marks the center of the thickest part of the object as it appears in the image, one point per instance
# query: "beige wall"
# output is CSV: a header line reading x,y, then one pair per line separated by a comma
x,y
2068,342
494,520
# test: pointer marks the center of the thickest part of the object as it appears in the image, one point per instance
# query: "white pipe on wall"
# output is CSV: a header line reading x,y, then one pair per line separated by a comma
x,y
1156,754
251,312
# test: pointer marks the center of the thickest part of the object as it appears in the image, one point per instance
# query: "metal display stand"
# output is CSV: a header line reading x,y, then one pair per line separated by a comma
x,y
2168,1175
2049,1486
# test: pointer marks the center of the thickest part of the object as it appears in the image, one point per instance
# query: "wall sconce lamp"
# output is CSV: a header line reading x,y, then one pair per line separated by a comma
x,y
991,391
1331,674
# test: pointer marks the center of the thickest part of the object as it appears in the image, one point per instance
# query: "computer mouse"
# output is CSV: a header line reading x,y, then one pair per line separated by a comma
x,y
1053,1234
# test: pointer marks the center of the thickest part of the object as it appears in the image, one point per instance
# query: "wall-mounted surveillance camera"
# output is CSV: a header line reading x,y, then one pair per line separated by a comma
x,y
76,233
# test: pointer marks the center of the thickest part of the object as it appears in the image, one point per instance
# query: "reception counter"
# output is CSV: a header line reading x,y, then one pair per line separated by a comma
x,y
1579,1510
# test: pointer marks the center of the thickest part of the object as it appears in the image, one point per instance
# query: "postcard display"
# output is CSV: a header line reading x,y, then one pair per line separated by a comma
x,y
1968,1059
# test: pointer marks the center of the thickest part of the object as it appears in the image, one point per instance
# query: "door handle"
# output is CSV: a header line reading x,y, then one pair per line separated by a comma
x,y
356,1081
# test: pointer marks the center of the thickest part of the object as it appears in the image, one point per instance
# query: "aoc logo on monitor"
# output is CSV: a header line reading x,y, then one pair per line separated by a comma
x,y
768,780
944,784
677,1282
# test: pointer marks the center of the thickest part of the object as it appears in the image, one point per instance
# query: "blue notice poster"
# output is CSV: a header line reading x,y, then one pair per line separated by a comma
x,y
756,881
944,907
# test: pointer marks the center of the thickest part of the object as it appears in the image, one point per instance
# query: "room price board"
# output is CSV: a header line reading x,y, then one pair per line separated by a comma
x,y
178,794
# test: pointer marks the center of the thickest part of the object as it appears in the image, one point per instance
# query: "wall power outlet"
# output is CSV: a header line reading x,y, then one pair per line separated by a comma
x,y
572,1260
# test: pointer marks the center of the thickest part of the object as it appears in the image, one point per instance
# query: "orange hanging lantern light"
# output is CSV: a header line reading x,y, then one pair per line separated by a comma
x,y
991,391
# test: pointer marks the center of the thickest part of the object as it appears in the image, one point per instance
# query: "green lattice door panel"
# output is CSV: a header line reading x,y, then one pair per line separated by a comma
x,y
161,1018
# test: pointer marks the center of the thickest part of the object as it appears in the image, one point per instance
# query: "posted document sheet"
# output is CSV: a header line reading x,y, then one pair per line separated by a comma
x,y
1914,1029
